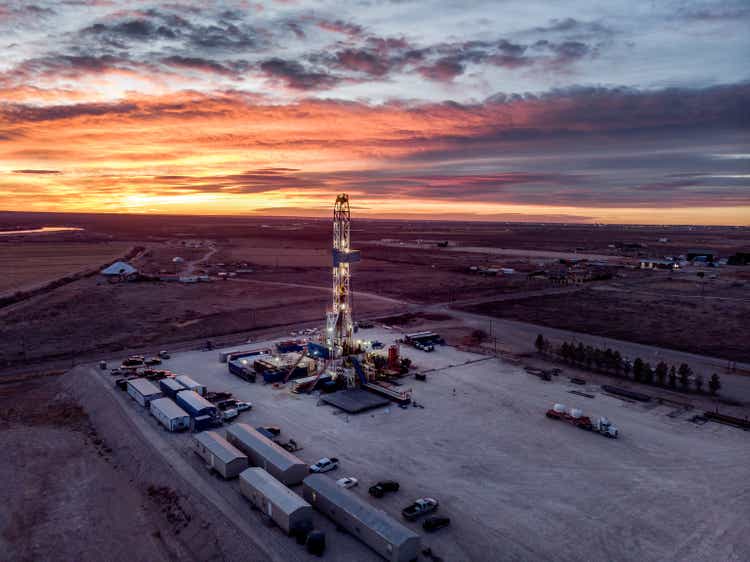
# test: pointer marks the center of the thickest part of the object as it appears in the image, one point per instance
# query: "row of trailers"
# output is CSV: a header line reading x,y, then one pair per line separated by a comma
x,y
266,471
176,404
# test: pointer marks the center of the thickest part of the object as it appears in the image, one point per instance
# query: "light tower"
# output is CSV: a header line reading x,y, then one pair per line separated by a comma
x,y
339,326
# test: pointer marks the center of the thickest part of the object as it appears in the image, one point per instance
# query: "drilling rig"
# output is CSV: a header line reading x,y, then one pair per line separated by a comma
x,y
339,325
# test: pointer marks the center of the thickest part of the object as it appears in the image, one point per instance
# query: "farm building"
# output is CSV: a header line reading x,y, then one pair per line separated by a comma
x,y
119,269
170,387
374,527
219,454
263,452
190,384
142,391
169,414
284,507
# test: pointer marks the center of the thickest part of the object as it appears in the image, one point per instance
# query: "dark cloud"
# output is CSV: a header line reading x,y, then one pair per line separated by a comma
x,y
294,75
339,26
37,172
573,26
442,70
229,68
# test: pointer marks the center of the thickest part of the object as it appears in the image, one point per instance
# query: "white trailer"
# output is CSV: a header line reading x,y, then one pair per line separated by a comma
x,y
263,452
219,454
190,384
169,414
284,507
143,392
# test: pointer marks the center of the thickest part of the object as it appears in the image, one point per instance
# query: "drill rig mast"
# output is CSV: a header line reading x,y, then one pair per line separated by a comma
x,y
339,325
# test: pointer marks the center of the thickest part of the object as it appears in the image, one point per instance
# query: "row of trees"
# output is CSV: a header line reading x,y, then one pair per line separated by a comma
x,y
611,361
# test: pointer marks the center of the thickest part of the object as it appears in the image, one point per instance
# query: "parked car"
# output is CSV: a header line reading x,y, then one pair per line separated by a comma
x,y
229,414
135,361
348,482
325,465
116,372
151,361
381,488
420,507
432,524
163,354
269,431
226,404
242,406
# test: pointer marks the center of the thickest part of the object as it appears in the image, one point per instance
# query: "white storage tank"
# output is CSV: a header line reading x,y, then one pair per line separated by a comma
x,y
169,414
190,384
143,392
284,507
263,452
219,455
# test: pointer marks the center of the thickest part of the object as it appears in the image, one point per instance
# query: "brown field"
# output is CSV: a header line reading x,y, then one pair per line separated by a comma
x,y
24,265
664,314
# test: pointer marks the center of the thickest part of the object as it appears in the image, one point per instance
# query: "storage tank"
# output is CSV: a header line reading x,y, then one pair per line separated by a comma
x,y
263,452
284,507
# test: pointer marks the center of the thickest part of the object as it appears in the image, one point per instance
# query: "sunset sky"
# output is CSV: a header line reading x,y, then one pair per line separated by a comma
x,y
617,111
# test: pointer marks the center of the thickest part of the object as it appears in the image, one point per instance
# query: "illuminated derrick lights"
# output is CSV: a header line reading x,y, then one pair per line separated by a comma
x,y
339,325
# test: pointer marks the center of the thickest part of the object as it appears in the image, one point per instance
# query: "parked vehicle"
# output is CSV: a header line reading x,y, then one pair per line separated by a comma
x,y
151,361
116,373
103,365
242,406
325,465
432,524
229,414
348,482
217,396
226,404
135,361
163,354
575,417
420,507
122,383
381,488
269,431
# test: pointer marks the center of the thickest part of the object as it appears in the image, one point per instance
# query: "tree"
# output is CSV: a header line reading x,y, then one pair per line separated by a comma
x,y
714,383
661,373
684,372
648,374
638,369
617,362
589,356
673,377
627,367
580,354
540,344
698,382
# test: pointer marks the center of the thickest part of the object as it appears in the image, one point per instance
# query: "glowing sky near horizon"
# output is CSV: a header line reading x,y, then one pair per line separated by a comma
x,y
621,111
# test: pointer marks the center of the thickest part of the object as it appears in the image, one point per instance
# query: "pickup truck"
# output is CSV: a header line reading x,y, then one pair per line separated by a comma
x,y
420,507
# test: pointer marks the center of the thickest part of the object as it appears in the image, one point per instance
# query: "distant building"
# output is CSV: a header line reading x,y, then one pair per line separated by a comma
x,y
705,255
647,263
740,258
119,269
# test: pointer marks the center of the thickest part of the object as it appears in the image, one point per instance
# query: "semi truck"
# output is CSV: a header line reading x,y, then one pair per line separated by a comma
x,y
574,416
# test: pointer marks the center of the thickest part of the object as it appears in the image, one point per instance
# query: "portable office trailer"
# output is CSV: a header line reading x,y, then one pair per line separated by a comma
x,y
195,405
219,454
142,391
374,527
169,414
170,387
263,452
190,384
284,507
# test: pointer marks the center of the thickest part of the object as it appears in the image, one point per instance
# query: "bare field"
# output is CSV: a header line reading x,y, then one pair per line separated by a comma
x,y
28,264
716,327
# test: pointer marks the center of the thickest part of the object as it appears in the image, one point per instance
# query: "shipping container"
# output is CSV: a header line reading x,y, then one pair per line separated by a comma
x,y
190,384
378,530
262,452
170,387
284,507
142,391
219,454
169,414
195,405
